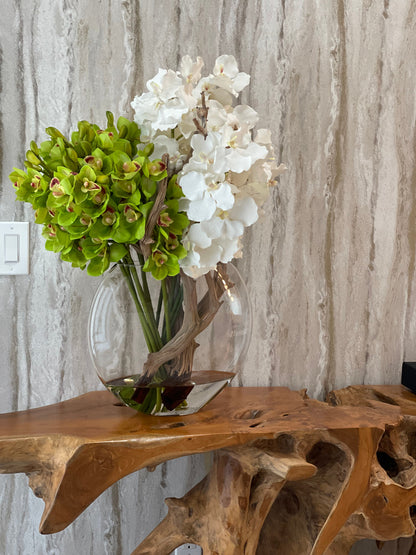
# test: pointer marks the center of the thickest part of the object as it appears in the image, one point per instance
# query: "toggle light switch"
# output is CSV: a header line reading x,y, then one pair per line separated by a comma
x,y
14,248
11,248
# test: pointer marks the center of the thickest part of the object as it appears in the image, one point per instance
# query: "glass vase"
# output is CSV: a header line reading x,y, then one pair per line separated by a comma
x,y
168,347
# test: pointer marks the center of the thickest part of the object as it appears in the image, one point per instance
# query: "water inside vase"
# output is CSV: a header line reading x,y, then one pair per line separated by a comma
x,y
167,399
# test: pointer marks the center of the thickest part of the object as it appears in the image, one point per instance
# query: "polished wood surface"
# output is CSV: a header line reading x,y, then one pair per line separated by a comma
x,y
268,442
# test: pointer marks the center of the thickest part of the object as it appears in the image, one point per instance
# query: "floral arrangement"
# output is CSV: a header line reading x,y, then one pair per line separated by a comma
x,y
95,193
175,189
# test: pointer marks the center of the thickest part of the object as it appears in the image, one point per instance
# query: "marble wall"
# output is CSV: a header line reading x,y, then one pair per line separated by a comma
x,y
331,265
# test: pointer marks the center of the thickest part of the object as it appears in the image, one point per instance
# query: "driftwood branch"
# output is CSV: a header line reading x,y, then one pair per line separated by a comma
x,y
202,113
197,317
157,208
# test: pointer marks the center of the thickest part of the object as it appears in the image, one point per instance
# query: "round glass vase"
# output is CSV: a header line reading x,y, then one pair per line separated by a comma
x,y
168,347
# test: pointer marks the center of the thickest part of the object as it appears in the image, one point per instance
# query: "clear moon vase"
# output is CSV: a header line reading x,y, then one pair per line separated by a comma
x,y
167,348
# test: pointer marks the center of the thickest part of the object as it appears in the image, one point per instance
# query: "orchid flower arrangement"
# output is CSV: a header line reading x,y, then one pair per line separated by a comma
x,y
174,190
100,194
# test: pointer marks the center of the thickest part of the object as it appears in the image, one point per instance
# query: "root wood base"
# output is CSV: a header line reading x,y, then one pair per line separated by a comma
x,y
291,475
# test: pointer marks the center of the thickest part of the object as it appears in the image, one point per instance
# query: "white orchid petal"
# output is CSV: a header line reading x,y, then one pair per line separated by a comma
x,y
241,159
201,210
165,145
238,160
241,81
193,185
190,70
197,235
229,250
246,114
193,271
223,196
226,65
245,211
210,257
233,229
213,227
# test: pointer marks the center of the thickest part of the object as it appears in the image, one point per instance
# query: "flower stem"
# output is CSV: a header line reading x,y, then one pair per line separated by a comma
x,y
146,331
158,399
166,309
146,301
159,307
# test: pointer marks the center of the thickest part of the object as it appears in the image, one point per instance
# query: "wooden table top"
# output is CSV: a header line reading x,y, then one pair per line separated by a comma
x,y
76,449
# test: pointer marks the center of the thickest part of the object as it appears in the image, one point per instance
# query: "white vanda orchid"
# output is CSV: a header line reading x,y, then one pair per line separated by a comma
x,y
179,150
241,159
191,72
241,151
228,75
165,145
256,182
224,174
166,102
218,237
209,155
225,82
205,195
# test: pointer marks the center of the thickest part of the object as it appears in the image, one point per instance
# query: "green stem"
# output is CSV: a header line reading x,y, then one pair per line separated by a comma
x,y
166,309
146,304
176,302
146,331
146,291
159,307
158,399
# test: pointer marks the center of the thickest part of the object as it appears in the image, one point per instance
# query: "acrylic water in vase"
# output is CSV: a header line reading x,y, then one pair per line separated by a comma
x,y
173,192
170,346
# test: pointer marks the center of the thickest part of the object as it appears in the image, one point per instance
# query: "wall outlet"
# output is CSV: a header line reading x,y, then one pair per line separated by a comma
x,y
187,548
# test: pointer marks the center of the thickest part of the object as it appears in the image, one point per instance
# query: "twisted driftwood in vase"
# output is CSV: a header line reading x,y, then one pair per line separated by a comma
x,y
197,316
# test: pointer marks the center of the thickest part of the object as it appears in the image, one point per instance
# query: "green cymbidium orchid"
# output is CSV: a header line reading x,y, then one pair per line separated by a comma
x,y
93,193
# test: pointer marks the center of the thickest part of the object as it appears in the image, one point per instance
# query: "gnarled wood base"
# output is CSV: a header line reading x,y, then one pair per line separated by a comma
x,y
291,475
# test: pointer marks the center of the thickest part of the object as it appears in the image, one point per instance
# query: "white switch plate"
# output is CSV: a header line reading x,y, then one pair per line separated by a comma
x,y
188,548
14,260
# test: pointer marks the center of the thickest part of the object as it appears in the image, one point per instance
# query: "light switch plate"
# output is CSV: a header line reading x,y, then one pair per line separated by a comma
x,y
14,248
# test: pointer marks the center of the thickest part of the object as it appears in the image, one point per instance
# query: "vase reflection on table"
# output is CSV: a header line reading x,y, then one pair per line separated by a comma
x,y
195,333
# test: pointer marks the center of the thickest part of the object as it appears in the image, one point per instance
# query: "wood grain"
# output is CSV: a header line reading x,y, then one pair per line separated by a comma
x,y
264,438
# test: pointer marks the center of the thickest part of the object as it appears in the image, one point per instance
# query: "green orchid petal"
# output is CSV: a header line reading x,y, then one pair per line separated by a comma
x,y
117,252
98,265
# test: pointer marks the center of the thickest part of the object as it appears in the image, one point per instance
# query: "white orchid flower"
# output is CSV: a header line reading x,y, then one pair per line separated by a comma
x,y
256,182
241,159
224,175
164,105
217,116
191,72
199,262
227,73
225,82
218,239
205,195
209,155
165,145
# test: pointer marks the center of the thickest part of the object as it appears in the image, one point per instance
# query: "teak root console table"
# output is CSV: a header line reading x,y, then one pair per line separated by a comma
x,y
290,476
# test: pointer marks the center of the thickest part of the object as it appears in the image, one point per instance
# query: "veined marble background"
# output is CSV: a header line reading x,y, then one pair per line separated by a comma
x,y
331,265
